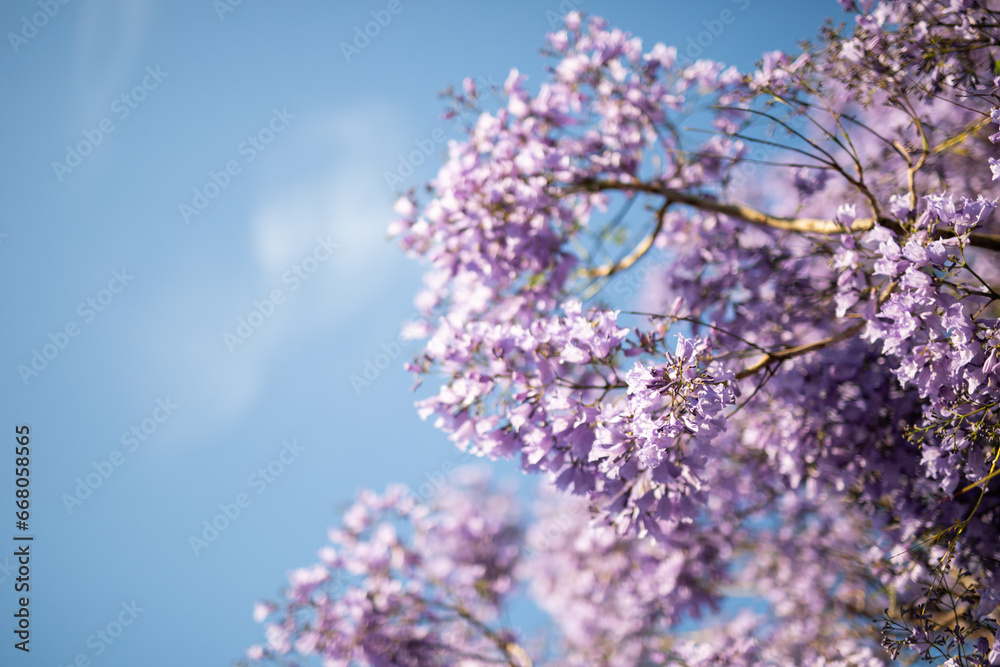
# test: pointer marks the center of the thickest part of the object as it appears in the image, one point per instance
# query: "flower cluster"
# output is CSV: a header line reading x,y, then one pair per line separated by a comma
x,y
433,583
857,319
807,405
929,324
414,584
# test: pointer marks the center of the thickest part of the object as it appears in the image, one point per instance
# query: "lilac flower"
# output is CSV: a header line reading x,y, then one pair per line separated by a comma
x,y
818,351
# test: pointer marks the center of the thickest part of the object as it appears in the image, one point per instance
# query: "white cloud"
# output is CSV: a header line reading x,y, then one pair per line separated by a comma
x,y
349,202
109,37
181,333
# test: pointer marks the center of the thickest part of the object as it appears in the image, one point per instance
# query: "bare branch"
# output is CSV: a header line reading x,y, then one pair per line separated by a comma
x,y
792,352
637,253
751,215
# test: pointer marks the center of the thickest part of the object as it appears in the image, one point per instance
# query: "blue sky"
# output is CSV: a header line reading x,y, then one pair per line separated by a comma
x,y
126,283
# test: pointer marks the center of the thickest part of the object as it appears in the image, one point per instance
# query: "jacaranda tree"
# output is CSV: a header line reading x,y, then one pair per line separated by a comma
x,y
796,406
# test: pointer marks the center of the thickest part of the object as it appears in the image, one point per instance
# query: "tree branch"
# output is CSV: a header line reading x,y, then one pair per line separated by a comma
x,y
637,253
753,216
792,352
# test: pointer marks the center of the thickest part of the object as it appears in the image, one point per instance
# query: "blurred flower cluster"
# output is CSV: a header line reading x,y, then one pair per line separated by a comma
x,y
804,412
